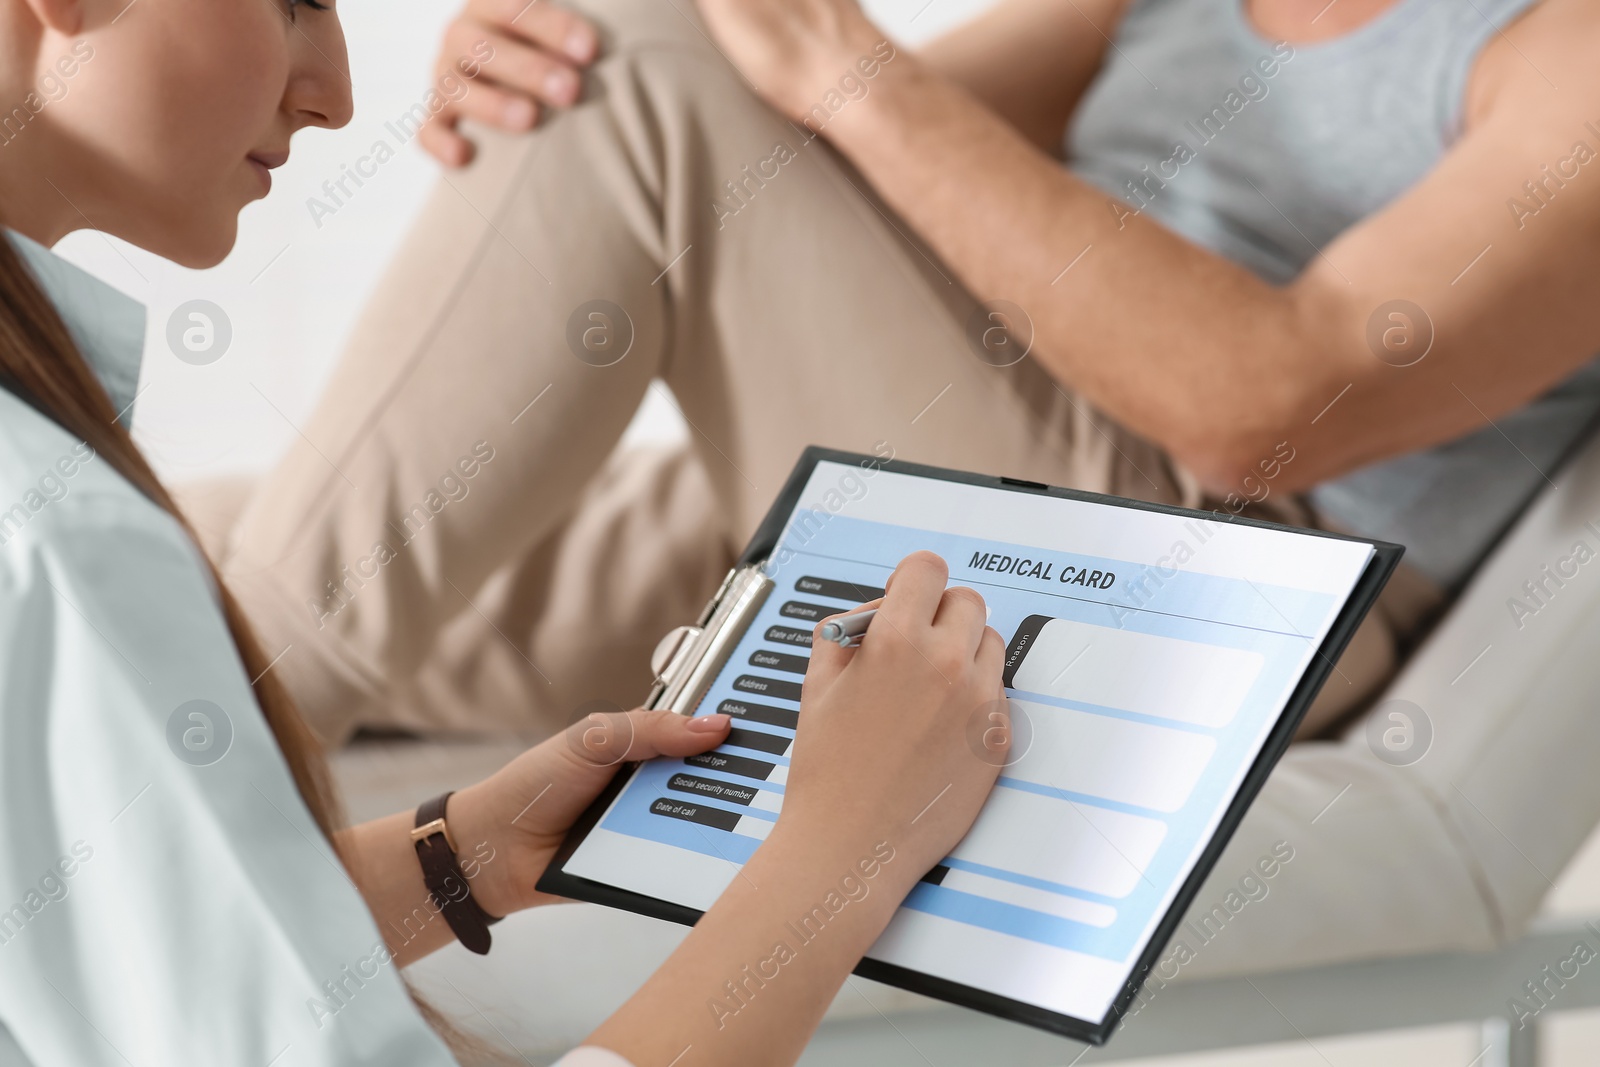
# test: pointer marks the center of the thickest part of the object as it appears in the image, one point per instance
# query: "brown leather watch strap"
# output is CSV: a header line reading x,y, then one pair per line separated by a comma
x,y
442,875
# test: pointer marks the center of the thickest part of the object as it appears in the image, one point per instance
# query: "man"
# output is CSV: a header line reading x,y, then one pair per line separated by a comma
x,y
1328,260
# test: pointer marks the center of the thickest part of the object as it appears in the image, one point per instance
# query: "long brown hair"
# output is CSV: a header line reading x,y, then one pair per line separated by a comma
x,y
40,362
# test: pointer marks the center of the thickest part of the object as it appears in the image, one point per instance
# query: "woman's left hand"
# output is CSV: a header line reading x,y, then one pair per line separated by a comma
x,y
792,51
508,826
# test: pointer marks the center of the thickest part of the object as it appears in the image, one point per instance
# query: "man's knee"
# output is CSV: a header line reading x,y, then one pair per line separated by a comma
x,y
625,25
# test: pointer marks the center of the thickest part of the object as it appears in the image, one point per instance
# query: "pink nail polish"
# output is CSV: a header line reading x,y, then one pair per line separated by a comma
x,y
708,724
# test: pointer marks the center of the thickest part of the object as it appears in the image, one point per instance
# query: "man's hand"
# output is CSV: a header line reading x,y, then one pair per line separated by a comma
x,y
515,56
791,51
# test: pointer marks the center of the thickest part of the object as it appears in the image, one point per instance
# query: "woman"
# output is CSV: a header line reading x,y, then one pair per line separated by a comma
x,y
176,883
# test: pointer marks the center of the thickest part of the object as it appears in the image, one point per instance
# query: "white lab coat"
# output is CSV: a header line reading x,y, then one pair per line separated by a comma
x,y
165,897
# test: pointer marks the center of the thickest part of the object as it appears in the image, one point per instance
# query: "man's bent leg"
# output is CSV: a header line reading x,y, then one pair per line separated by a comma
x,y
542,292
569,627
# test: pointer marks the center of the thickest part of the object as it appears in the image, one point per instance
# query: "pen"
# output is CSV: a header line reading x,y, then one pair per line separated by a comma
x,y
847,631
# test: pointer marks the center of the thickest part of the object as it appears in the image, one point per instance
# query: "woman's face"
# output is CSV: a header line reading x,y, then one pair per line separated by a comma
x,y
177,110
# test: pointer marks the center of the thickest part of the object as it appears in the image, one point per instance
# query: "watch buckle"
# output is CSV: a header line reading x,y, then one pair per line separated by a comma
x,y
428,829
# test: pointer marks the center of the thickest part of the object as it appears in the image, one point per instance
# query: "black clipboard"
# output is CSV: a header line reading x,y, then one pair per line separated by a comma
x,y
1380,567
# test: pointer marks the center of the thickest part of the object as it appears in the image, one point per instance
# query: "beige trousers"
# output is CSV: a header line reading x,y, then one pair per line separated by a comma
x,y
454,545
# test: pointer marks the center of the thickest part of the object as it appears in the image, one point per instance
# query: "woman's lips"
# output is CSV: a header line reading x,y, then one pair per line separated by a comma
x,y
263,173
265,163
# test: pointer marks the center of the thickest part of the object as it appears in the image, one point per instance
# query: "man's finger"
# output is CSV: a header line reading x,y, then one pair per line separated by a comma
x,y
527,70
548,25
441,140
492,105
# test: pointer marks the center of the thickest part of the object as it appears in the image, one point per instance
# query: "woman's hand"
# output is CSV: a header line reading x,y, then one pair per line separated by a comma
x,y
511,57
793,51
891,751
897,739
517,817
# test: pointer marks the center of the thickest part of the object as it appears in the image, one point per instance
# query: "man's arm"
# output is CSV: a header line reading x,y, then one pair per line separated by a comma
x,y
1198,354
1029,61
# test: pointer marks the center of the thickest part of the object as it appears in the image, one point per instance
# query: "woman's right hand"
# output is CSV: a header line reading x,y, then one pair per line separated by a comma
x,y
897,746
897,739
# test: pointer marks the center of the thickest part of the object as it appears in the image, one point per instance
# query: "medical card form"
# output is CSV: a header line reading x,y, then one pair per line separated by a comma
x,y
1157,663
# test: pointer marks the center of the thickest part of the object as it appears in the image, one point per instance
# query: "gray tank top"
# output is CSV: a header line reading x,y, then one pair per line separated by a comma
x,y
1265,152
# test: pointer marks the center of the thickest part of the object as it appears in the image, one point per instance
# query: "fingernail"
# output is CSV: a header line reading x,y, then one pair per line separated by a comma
x,y
580,45
519,113
708,724
560,86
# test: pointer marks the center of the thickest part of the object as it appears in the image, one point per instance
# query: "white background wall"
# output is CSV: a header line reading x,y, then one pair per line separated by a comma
x,y
292,288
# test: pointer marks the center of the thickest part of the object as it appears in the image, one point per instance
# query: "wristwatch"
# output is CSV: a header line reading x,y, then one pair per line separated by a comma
x,y
451,893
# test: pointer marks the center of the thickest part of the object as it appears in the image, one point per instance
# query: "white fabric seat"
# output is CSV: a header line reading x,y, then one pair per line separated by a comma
x,y
1457,850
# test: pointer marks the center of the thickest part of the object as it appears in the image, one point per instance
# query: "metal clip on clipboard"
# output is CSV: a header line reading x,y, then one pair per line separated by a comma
x,y
689,657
